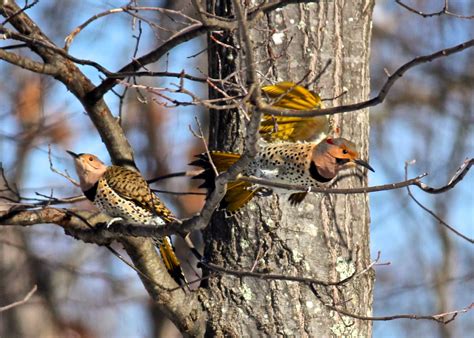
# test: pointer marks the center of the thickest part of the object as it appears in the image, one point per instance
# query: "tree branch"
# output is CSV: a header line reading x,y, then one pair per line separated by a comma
x,y
20,302
27,63
268,109
361,190
443,11
180,37
189,319
440,317
460,173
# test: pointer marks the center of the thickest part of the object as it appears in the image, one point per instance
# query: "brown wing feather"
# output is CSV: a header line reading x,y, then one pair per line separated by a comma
x,y
133,187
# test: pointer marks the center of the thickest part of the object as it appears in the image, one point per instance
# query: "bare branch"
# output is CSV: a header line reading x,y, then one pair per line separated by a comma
x,y
439,317
458,176
33,42
27,63
268,109
460,173
184,35
54,170
126,9
270,276
20,302
18,12
203,139
187,173
443,11
361,190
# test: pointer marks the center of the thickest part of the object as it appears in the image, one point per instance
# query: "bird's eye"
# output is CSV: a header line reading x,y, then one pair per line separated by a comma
x,y
90,158
344,151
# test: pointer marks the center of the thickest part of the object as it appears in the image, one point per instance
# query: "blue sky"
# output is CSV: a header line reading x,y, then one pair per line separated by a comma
x,y
395,223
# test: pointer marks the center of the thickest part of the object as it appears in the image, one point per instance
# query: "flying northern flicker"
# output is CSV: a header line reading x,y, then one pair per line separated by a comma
x,y
308,164
289,95
123,193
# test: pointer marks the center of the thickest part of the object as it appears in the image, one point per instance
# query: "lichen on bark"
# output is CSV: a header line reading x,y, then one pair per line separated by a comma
x,y
326,237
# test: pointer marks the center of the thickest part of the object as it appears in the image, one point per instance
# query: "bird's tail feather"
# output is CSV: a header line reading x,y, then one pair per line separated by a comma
x,y
238,192
171,262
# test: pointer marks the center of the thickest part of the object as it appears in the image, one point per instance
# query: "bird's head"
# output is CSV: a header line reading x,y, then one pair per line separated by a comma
x,y
89,169
334,154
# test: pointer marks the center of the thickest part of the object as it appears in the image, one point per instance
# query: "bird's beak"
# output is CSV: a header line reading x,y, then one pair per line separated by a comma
x,y
73,154
364,164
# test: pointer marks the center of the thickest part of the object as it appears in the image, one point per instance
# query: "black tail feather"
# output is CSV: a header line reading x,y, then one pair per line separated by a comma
x,y
208,174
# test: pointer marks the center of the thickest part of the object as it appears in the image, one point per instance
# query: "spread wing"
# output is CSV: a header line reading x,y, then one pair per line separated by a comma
x,y
289,95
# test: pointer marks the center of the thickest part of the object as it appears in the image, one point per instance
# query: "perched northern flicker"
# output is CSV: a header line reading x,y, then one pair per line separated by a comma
x,y
308,164
123,193
289,95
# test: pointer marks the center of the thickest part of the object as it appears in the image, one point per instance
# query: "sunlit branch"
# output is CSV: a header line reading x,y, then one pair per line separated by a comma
x,y
27,63
126,9
268,109
443,11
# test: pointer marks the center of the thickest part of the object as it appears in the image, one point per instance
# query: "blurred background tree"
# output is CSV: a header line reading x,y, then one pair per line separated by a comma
x,y
84,290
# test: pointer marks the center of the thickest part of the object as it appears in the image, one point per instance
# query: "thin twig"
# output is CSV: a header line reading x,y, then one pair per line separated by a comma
x,y
271,276
432,213
458,176
439,317
443,11
203,139
179,192
187,173
27,6
303,188
54,170
20,302
268,109
126,9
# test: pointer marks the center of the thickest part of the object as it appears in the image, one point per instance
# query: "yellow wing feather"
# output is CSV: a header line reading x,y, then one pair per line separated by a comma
x,y
238,192
289,95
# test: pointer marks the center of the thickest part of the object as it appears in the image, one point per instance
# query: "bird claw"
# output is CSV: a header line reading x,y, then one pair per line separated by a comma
x,y
263,192
112,221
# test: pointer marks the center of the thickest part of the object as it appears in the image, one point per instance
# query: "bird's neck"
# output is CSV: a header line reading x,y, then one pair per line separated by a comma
x,y
326,167
91,192
89,179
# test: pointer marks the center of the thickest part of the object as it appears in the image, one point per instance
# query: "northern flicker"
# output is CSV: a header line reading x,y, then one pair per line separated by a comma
x,y
308,164
123,193
289,95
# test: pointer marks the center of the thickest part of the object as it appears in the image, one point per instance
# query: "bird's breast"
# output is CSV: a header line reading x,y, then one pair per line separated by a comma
x,y
112,204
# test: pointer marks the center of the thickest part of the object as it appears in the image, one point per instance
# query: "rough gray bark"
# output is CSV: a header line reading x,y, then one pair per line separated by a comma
x,y
327,236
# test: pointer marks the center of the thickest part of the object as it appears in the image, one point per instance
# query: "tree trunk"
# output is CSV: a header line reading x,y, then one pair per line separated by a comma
x,y
327,236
